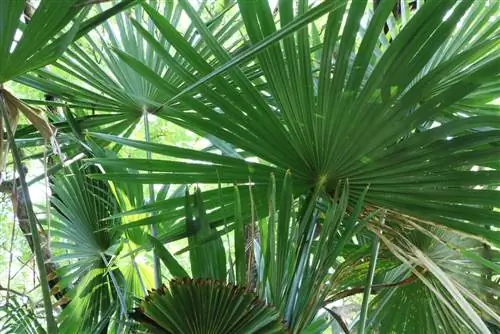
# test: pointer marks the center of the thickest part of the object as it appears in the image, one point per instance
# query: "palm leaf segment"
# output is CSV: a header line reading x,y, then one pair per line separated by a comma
x,y
205,306
189,166
364,107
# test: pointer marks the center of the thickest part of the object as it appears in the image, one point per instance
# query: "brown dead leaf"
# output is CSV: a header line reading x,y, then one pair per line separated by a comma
x,y
31,113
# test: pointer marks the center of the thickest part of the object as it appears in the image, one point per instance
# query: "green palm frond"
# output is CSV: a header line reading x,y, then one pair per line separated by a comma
x,y
374,112
92,76
101,287
82,244
80,207
423,312
207,253
205,306
102,283
92,301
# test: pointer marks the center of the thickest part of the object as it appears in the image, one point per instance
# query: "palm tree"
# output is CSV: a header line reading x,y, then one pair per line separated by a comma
x,y
385,123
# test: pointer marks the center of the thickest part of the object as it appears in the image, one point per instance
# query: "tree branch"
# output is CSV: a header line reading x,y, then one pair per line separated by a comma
x,y
339,320
12,291
375,289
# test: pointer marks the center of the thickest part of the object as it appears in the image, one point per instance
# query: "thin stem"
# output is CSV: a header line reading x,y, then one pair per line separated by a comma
x,y
250,238
121,298
137,271
47,191
232,276
51,324
14,292
369,282
154,229
24,264
375,288
11,256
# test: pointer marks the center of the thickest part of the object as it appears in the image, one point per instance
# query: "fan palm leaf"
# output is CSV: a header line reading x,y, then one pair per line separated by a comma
x,y
87,246
205,306
364,112
115,93
38,40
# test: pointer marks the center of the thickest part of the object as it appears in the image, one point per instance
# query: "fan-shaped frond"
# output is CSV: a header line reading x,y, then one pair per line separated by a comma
x,y
205,306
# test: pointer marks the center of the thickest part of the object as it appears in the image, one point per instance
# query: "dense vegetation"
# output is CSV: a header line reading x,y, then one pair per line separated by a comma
x,y
250,166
